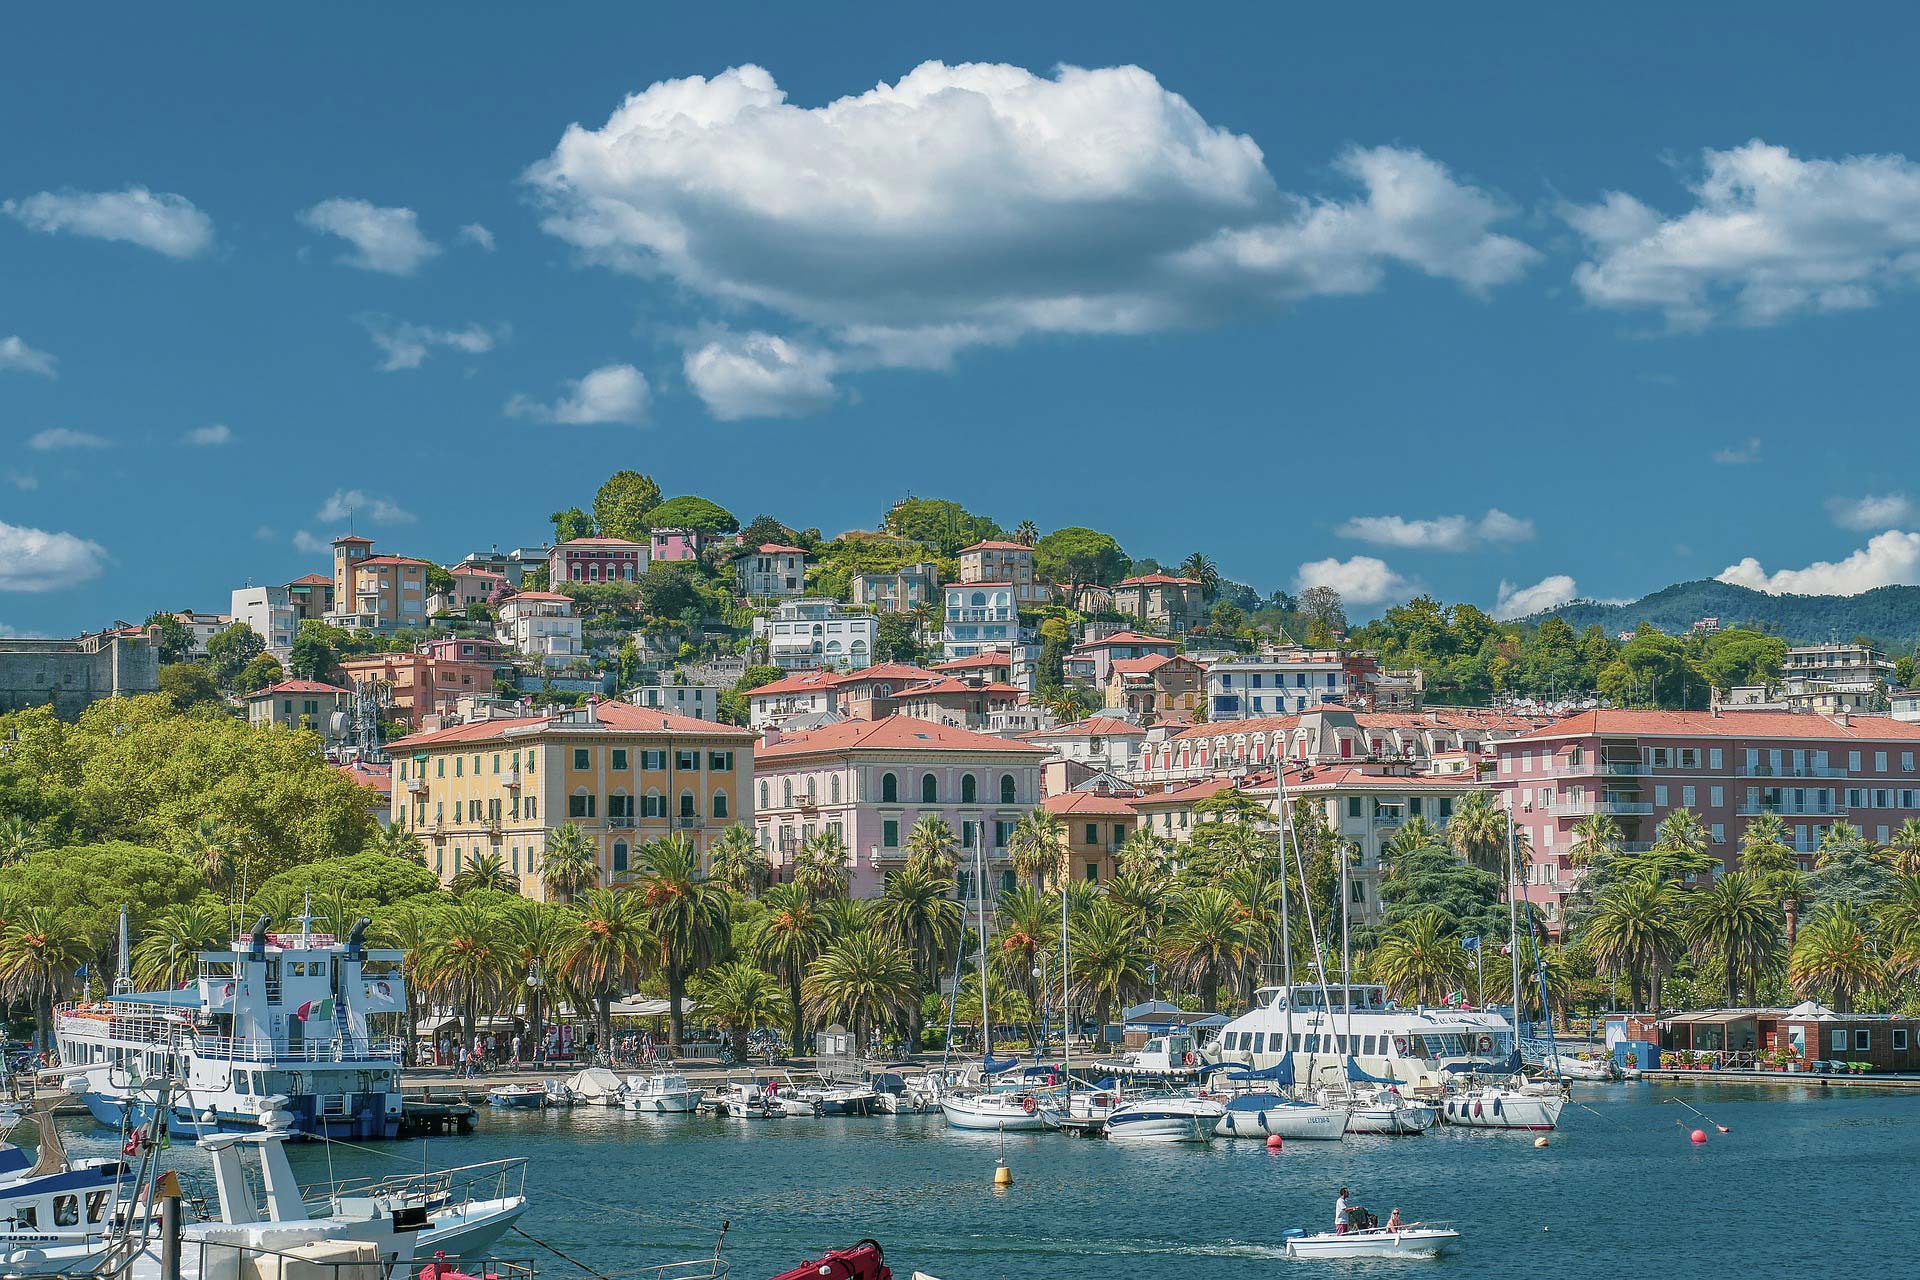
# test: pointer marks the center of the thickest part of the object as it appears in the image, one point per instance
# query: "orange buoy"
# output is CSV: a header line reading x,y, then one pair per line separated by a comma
x,y
1274,1143
1699,1137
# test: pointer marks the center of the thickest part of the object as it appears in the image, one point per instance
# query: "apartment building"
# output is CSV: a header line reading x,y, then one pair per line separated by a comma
x,y
269,613
902,591
679,697
512,565
1278,682
1160,599
1638,767
303,704
1829,678
772,571
542,625
596,560
1156,688
1093,659
870,781
471,586
1003,562
1094,822
805,634
312,597
376,593
623,775
945,700
1328,735
413,686
980,616
1104,744
1906,705
671,545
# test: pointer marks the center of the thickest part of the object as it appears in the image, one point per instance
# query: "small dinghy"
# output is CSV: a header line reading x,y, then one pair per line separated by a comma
x,y
1414,1240
529,1096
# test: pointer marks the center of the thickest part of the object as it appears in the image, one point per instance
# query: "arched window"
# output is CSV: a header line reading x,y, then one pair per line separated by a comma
x,y
763,795
929,790
979,599
1006,788
969,789
786,793
619,855
719,804
833,788
889,789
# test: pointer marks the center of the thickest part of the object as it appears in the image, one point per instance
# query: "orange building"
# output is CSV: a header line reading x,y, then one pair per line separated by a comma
x,y
419,685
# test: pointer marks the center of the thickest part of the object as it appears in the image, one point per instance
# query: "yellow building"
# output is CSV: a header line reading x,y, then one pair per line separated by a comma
x,y
624,775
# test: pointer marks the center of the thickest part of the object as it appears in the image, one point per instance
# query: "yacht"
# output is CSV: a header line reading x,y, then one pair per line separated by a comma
x,y
1261,1104
1380,1111
662,1093
279,1022
1415,1048
1165,1118
54,1202
1010,1111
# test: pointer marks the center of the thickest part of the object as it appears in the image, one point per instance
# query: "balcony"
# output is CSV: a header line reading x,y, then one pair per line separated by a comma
x,y
1764,770
623,823
1593,769
1587,807
687,822
492,825
1789,809
512,778
805,800
881,854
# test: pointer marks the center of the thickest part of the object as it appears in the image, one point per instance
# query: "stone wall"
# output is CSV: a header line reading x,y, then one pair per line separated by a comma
x,y
69,674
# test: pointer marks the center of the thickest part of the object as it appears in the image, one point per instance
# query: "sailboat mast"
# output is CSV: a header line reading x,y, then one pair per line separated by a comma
x,y
1513,924
980,914
1346,951
124,981
1066,1005
1286,932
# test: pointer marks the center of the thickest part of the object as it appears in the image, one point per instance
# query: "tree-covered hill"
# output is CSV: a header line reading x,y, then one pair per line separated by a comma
x,y
1890,615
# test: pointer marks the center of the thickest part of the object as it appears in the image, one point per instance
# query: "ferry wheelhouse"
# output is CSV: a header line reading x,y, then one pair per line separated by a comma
x,y
1415,1048
300,1023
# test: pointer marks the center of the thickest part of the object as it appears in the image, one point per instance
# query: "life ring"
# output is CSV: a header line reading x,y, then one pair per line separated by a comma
x,y
1191,1058
1486,1044
1400,1046
1029,1105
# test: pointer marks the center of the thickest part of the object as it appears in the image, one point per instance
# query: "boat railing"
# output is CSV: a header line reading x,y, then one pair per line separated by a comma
x,y
164,1025
204,1257
460,1185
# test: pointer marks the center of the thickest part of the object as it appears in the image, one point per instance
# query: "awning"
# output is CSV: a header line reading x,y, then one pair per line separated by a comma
x,y
185,998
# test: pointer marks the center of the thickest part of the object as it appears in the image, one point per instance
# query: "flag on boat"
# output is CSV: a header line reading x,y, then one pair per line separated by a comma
x,y
1456,999
315,1009
1470,944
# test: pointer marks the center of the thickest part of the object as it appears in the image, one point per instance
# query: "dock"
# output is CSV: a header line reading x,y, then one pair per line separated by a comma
x,y
425,1116
1801,1079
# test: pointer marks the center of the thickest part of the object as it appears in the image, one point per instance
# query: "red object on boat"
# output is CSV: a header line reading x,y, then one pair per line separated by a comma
x,y
440,1269
865,1261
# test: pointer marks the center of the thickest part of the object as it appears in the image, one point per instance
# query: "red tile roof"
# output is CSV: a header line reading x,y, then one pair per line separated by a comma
x,y
948,684
996,546
616,717
351,537
386,560
776,549
1191,792
1141,666
312,580
1360,777
884,671
1159,580
1092,727
895,733
377,776
991,658
1090,802
798,682
552,596
1728,724
296,686
1126,637
1462,718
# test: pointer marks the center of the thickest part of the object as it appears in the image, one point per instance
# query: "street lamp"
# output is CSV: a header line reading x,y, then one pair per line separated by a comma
x,y
1046,1002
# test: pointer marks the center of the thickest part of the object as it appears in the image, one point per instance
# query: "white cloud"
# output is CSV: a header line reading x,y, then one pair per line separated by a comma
x,y
1769,236
64,438
406,345
165,223
17,356
209,436
1881,511
474,233
36,560
1519,602
1361,580
22,481
612,393
1888,558
760,375
304,541
1442,533
357,504
980,203
1739,455
386,240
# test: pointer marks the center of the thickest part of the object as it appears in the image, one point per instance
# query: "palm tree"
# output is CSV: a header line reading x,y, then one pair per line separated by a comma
x,y
687,915
397,841
539,937
738,861
1764,855
1898,920
1198,567
788,938
917,910
931,843
170,943
821,867
571,864
1478,832
1207,939
1679,848
1026,533
737,997
411,930
484,871
208,843
1414,835
861,980
1738,921
1635,933
39,953
1037,845
1835,958
611,944
1143,852
1904,848
1596,838
1420,957
1141,899
469,959
18,838
1028,926
1107,957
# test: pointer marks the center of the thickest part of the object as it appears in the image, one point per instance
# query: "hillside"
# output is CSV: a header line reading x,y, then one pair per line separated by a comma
x,y
1890,615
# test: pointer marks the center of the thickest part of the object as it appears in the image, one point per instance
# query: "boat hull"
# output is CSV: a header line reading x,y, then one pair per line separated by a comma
x,y
1144,1122
1503,1111
962,1114
365,1118
1270,1115
518,1099
1415,1243
664,1103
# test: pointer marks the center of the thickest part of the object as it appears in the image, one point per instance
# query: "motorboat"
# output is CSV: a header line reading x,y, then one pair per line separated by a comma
x,y
1175,1056
1567,1066
891,1095
1381,1111
662,1093
518,1097
1015,1111
1166,1118
1414,1240
1513,1105
843,1099
595,1087
558,1095
748,1096
53,1201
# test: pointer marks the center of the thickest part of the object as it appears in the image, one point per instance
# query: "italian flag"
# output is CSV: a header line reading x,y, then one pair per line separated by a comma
x,y
315,1009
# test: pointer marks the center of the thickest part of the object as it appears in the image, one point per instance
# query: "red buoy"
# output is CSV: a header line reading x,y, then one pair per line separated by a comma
x,y
1274,1143
1699,1137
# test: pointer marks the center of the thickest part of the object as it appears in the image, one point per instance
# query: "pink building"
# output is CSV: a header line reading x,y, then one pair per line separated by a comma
x,y
1328,735
596,560
871,780
678,544
1122,644
1637,767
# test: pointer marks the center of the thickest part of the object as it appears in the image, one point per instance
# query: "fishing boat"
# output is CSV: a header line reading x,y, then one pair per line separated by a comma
x,y
1415,1240
52,1201
279,1022
518,1097
1166,1118
662,1093
749,1095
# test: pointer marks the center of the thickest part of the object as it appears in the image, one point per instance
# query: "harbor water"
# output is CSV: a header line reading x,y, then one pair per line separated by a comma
x,y
1803,1176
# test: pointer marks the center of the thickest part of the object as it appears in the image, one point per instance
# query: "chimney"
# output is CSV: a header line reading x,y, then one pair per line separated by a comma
x,y
770,735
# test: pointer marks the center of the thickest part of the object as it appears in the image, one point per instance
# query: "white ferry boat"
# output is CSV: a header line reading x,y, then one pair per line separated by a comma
x,y
1416,1048
282,1022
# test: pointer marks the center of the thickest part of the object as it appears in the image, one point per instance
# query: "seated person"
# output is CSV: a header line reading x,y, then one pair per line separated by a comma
x,y
1393,1221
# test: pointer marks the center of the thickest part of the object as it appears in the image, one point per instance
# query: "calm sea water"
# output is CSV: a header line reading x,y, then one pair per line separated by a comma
x,y
1804,1176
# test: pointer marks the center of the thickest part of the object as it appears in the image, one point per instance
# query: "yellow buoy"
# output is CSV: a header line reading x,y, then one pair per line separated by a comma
x,y
1002,1176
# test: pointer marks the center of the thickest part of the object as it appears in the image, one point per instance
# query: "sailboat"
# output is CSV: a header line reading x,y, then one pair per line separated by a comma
x,y
1373,1105
1002,1111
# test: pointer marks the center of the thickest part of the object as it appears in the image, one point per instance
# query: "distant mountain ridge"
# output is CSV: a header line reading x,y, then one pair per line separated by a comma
x,y
1890,615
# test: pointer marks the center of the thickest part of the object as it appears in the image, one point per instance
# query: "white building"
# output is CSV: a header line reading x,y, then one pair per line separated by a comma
x,y
1906,705
1829,678
1276,684
771,572
540,624
817,633
980,616
270,612
677,698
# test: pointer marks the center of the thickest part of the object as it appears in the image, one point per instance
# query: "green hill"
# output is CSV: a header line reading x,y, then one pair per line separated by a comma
x,y
1890,615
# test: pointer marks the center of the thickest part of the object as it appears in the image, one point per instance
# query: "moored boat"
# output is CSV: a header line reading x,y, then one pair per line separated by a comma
x,y
1504,1106
1015,1112
1165,1118
518,1097
662,1093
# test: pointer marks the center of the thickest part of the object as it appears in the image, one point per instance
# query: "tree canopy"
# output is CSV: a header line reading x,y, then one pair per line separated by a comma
x,y
1079,555
941,523
689,512
623,508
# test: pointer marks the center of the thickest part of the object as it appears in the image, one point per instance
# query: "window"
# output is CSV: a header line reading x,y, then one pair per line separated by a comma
x,y
889,789
619,806
1093,835
1719,837
580,806
687,809
1660,797
653,805
440,770
720,805
96,1205
763,794
833,788
66,1210
929,790
1006,788
1853,766
1093,873
969,789
890,832
720,761
1840,1040
686,760
620,859
1353,806
1687,797
620,764
583,757
1718,796
653,759
1862,1040
457,763
1899,1042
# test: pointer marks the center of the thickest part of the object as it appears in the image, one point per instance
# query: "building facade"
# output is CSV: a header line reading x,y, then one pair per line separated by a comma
x,y
1094,823
902,591
542,625
376,593
67,675
670,546
1160,599
680,698
412,686
1003,562
326,709
805,634
1242,688
623,775
1093,659
471,586
270,614
772,571
1827,678
1156,688
980,616
1328,735
596,560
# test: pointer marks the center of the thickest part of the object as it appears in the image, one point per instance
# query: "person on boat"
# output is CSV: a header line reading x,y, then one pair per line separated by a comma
x,y
1340,1214
1393,1220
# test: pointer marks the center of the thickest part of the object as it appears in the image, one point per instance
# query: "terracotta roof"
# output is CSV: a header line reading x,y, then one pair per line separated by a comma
x,y
1728,724
895,733
1191,792
351,537
617,717
601,542
776,549
1159,580
968,586
996,546
553,596
991,658
296,686
882,671
798,682
1092,727
1141,666
312,580
377,776
1127,637
1358,777
468,571
386,560
948,684
1088,802
1437,718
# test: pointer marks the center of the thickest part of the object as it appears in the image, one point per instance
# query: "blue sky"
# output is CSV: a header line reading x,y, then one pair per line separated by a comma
x,y
1395,302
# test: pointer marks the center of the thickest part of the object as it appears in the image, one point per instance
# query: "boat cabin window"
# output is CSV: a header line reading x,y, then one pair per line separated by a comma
x,y
26,1216
1259,1041
66,1211
96,1206
240,1079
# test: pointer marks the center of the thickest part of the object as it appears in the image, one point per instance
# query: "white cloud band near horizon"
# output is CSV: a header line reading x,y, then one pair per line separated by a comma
x,y
1441,533
1889,559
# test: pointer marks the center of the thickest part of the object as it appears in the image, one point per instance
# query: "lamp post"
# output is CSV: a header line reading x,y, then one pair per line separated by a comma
x,y
1046,1003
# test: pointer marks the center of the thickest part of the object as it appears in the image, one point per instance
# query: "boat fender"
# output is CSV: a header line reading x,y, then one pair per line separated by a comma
x,y
1496,1106
1400,1046
1477,1110
1262,1119
1029,1106
1191,1058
